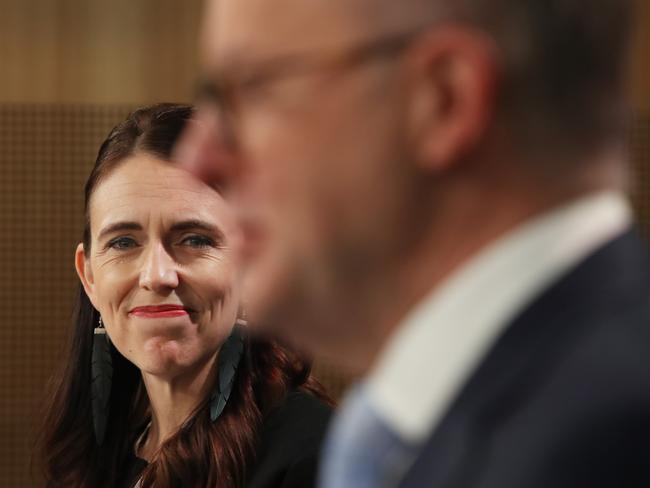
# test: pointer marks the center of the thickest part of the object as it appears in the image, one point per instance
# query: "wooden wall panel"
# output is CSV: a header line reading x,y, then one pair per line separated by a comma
x,y
98,51
640,60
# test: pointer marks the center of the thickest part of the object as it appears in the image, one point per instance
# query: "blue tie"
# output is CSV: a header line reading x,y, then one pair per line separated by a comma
x,y
361,450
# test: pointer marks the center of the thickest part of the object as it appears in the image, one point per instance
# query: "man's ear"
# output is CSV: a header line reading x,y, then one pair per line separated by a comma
x,y
84,271
454,84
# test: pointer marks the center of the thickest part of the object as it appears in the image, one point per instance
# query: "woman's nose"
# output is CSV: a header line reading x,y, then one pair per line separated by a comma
x,y
159,271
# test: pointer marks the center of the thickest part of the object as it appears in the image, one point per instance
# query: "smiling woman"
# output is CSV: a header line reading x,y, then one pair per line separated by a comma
x,y
163,385
159,268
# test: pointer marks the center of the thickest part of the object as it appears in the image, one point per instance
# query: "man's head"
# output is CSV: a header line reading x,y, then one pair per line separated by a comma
x,y
361,139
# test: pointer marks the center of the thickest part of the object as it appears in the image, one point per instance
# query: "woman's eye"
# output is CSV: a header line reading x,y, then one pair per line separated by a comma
x,y
198,242
122,243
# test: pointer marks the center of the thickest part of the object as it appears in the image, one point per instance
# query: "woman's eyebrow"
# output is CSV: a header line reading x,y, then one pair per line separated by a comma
x,y
118,227
196,224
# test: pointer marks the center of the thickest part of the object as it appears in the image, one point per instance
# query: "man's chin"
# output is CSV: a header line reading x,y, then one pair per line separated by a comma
x,y
268,304
280,302
264,285
274,305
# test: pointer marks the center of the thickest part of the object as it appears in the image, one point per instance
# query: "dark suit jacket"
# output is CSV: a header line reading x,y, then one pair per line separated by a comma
x,y
289,446
563,399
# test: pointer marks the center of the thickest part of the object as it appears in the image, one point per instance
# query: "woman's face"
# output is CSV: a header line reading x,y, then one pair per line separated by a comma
x,y
161,267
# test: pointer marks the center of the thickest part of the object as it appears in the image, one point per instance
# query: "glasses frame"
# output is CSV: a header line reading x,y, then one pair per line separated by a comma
x,y
223,94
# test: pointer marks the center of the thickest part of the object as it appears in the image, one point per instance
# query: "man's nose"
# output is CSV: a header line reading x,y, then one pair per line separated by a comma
x,y
159,272
208,150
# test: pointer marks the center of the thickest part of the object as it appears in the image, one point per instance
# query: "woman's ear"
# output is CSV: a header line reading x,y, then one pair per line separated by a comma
x,y
84,271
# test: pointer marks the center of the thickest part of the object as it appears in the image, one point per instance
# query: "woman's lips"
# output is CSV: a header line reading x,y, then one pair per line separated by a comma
x,y
160,311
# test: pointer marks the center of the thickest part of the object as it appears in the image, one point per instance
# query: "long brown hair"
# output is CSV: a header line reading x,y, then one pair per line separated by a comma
x,y
201,453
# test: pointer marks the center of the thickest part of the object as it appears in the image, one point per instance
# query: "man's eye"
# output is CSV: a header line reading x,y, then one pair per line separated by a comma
x,y
122,243
198,242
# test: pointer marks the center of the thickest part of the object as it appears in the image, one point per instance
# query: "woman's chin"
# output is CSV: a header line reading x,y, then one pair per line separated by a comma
x,y
165,357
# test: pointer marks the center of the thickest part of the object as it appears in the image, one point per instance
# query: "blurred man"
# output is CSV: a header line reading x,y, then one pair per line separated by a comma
x,y
432,197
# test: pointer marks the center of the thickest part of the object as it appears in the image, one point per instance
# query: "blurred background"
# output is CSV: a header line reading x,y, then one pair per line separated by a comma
x,y
69,71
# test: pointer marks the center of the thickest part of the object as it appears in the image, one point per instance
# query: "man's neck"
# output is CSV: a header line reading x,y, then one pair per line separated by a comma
x,y
452,239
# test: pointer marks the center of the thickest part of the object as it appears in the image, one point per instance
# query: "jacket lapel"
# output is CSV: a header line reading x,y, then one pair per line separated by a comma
x,y
522,358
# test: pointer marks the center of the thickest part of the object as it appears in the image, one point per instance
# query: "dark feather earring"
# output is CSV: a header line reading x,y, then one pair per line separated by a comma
x,y
228,360
101,379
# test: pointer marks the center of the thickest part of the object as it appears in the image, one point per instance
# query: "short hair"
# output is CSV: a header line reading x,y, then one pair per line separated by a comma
x,y
564,66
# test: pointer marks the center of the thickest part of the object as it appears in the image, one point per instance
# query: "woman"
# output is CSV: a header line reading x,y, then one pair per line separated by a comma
x,y
162,385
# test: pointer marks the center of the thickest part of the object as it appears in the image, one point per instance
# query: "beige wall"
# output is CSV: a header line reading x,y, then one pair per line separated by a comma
x,y
98,51
139,51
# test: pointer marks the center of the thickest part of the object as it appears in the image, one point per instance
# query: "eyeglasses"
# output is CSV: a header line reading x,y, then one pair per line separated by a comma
x,y
225,95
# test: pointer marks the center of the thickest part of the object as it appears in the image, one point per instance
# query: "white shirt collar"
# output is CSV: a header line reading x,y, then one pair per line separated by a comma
x,y
436,348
